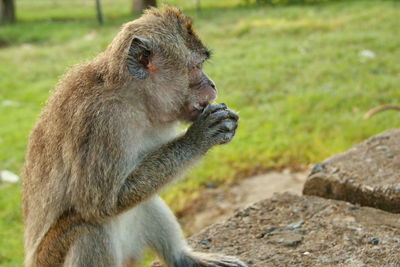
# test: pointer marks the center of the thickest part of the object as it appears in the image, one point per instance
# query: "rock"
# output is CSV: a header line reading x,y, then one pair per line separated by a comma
x,y
7,176
290,230
295,225
375,241
366,55
368,174
286,239
10,103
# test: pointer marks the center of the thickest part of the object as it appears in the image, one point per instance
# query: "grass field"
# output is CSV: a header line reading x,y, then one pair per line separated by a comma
x,y
295,73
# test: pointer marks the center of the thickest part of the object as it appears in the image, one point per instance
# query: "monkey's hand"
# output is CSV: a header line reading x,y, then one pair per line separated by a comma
x,y
215,125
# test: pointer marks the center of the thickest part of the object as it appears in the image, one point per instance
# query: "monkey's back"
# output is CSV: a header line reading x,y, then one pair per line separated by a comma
x,y
47,167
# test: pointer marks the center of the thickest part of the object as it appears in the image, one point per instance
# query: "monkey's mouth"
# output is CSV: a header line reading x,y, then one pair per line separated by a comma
x,y
195,109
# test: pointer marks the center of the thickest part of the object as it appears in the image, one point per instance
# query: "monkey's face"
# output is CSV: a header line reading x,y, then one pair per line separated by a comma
x,y
166,56
180,80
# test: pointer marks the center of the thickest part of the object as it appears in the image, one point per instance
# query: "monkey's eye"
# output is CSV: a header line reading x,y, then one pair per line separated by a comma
x,y
197,66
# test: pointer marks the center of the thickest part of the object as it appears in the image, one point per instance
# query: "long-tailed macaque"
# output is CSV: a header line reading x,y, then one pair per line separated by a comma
x,y
105,145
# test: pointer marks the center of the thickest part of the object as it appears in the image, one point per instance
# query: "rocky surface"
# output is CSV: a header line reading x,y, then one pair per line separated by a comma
x,y
289,230
216,204
367,174
346,217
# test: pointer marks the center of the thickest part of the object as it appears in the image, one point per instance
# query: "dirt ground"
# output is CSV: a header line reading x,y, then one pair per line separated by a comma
x,y
217,204
290,230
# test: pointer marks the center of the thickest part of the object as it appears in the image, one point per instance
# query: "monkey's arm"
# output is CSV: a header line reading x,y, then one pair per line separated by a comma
x,y
103,184
216,125
156,170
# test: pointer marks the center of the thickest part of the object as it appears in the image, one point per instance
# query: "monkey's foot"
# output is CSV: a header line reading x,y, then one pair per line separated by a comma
x,y
197,259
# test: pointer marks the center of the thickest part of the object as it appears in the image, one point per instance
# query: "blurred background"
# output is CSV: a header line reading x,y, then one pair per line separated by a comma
x,y
301,73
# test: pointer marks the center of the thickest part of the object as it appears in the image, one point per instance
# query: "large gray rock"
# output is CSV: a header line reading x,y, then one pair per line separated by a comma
x,y
368,174
290,230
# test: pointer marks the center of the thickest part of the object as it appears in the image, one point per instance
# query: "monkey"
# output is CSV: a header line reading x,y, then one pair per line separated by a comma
x,y
106,143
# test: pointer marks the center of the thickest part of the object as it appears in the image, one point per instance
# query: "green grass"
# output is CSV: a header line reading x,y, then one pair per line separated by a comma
x,y
293,72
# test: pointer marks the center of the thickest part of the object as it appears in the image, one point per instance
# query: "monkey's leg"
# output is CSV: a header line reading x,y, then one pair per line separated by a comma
x,y
164,235
92,249
161,231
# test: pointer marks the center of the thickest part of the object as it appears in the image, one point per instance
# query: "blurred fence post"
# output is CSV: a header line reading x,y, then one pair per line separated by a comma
x,y
99,12
198,6
7,11
140,5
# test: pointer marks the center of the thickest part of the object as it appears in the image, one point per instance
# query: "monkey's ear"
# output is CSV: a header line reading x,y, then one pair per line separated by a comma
x,y
139,56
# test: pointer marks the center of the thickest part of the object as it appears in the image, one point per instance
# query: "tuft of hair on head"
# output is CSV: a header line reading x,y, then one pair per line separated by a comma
x,y
170,12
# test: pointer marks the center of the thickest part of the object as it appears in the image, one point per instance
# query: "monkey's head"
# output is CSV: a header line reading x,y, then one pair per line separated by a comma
x,y
159,57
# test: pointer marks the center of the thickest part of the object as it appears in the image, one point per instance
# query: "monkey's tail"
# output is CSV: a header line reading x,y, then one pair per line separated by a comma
x,y
378,109
55,245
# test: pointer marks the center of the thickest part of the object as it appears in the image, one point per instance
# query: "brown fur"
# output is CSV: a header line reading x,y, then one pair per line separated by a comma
x,y
87,160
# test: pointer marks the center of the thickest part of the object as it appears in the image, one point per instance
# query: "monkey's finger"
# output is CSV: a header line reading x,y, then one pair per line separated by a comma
x,y
211,108
218,116
224,137
227,125
224,114
231,263
224,264
222,120
233,115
